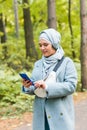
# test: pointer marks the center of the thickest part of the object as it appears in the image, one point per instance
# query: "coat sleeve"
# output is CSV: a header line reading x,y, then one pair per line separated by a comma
x,y
29,90
67,84
34,77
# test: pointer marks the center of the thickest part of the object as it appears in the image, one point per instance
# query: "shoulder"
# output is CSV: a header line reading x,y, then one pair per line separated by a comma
x,y
70,65
68,60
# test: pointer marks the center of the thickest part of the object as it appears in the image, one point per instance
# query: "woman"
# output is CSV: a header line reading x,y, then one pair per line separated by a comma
x,y
55,110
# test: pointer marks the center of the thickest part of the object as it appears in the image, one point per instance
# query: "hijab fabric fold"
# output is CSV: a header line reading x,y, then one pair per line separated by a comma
x,y
51,61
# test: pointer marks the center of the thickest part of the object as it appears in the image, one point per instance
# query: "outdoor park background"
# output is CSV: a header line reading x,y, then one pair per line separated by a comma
x,y
20,25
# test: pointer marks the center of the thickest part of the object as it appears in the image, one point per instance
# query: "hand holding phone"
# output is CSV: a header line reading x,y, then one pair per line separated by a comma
x,y
24,76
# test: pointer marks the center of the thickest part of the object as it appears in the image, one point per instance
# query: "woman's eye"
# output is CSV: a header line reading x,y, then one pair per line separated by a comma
x,y
44,45
40,45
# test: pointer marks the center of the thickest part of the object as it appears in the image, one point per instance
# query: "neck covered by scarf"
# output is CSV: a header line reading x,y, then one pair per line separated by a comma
x,y
49,62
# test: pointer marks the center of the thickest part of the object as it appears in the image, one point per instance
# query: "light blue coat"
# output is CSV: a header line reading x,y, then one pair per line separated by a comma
x,y
58,105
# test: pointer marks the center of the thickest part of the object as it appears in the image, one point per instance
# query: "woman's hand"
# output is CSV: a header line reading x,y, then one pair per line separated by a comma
x,y
26,83
40,84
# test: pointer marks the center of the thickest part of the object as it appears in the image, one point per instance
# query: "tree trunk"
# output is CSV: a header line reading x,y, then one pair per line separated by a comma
x,y
51,14
30,47
16,18
2,29
83,49
71,31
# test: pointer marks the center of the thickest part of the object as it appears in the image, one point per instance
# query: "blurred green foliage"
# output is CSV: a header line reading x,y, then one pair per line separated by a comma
x,y
12,53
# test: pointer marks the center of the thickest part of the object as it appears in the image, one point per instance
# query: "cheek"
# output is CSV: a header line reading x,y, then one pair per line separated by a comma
x,y
51,52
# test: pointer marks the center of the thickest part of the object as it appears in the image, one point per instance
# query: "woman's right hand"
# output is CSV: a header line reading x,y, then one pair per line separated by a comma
x,y
26,83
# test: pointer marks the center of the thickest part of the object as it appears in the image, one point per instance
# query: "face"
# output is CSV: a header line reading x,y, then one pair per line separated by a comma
x,y
46,48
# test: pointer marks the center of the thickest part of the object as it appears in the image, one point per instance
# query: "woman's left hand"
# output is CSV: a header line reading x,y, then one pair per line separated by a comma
x,y
40,84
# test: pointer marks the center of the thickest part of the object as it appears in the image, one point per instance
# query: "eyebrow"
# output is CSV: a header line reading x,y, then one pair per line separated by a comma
x,y
43,43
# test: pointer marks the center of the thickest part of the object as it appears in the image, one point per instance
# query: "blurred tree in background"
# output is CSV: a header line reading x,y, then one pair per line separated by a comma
x,y
83,54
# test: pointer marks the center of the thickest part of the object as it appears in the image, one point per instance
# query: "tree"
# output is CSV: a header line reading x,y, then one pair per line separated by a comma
x,y
30,47
16,17
2,29
71,31
51,14
83,49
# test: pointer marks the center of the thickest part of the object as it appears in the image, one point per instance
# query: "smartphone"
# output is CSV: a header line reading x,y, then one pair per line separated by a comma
x,y
26,77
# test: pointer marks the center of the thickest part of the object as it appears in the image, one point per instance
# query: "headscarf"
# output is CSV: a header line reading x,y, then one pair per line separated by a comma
x,y
52,37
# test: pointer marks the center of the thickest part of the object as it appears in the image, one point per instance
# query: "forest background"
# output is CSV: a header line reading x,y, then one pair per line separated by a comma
x,y
13,51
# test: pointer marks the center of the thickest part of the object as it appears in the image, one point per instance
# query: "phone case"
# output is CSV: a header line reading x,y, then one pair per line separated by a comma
x,y
24,76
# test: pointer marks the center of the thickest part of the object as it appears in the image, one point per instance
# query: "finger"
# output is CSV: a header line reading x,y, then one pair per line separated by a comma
x,y
27,84
37,85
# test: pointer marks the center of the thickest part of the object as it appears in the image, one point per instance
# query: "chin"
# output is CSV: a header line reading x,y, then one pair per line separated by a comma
x,y
45,55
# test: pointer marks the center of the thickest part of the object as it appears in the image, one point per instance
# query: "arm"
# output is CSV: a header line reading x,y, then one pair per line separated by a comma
x,y
26,86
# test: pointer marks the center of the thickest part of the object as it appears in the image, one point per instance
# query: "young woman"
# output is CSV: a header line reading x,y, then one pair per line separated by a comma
x,y
54,110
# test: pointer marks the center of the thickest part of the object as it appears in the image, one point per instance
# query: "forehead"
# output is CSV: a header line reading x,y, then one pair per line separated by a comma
x,y
41,41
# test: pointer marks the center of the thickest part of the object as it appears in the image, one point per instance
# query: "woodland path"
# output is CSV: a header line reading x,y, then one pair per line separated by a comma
x,y
24,121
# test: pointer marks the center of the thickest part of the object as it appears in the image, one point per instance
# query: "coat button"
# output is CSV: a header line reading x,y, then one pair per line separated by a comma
x,y
61,114
49,116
